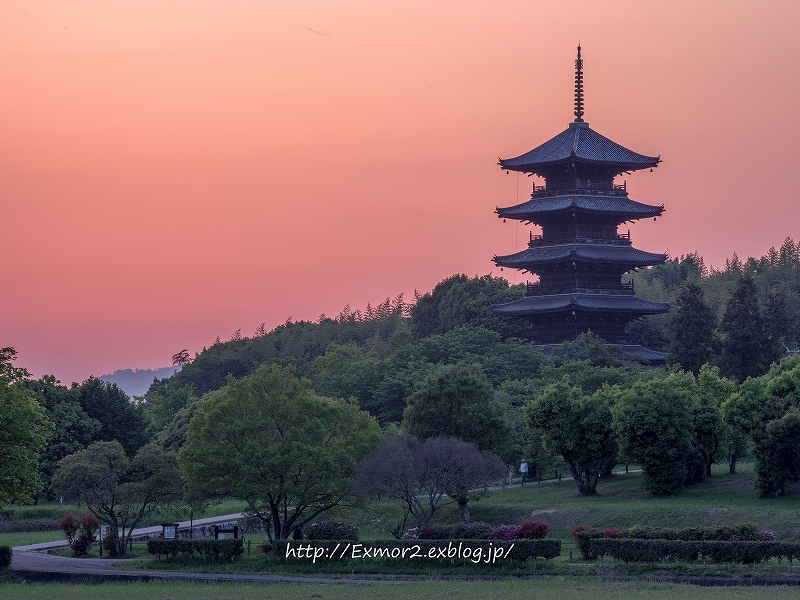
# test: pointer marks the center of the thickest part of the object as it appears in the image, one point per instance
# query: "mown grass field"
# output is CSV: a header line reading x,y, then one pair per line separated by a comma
x,y
621,502
553,589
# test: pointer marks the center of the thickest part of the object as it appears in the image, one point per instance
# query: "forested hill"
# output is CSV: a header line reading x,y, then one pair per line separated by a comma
x,y
740,318
456,301
724,331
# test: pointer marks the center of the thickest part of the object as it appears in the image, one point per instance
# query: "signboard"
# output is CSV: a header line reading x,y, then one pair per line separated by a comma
x,y
169,531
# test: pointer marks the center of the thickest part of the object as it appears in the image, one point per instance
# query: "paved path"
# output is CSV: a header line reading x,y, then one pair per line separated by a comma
x,y
33,563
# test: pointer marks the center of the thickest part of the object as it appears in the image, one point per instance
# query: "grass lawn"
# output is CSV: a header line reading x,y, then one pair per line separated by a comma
x,y
553,589
722,499
29,537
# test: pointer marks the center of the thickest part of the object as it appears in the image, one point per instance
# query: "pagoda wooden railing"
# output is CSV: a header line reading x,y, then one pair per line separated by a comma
x,y
582,186
579,235
579,285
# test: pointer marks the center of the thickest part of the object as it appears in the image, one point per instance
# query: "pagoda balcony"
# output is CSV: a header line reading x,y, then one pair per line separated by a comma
x,y
578,235
580,186
579,285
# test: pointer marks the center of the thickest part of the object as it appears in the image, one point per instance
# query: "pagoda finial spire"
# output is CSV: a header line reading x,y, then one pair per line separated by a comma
x,y
579,86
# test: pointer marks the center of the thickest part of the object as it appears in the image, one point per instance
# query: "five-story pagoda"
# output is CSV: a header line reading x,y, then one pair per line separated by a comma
x,y
580,256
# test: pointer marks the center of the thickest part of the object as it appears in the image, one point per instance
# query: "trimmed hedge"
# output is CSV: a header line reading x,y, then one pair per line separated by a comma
x,y
5,556
27,525
744,531
204,547
584,535
650,551
414,549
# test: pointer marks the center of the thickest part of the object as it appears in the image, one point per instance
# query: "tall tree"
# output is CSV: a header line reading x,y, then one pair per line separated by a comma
x,y
74,429
745,341
458,401
120,419
691,329
711,431
577,427
269,441
653,423
24,430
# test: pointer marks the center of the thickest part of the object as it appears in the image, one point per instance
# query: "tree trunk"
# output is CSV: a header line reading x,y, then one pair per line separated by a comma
x,y
711,456
463,509
583,488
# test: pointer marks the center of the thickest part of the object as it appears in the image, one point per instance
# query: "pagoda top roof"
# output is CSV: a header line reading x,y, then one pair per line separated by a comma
x,y
579,143
605,253
556,303
623,206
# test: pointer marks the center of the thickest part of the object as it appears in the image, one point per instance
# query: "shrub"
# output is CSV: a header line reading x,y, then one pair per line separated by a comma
x,y
533,530
331,530
69,525
79,531
206,548
583,535
611,532
506,533
5,556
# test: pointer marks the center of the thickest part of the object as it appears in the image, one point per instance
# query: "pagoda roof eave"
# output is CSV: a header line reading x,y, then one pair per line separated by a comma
x,y
622,206
579,143
624,255
558,303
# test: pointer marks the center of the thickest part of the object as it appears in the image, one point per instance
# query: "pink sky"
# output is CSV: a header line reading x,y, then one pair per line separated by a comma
x,y
171,172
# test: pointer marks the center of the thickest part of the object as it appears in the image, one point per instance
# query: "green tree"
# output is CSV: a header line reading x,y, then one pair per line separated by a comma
x,y
24,431
460,300
653,423
709,428
577,427
776,438
739,412
74,429
120,419
776,430
744,336
691,329
162,403
457,401
121,492
269,441
346,371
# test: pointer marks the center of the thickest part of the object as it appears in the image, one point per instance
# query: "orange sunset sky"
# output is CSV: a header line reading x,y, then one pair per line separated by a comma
x,y
172,171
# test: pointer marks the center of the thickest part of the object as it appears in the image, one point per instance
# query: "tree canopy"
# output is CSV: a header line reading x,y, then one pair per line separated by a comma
x,y
270,441
576,427
120,491
24,431
457,401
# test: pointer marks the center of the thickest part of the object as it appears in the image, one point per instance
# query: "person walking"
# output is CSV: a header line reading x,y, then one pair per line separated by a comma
x,y
523,471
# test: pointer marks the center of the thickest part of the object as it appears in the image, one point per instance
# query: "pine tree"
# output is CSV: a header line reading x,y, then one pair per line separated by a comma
x,y
691,329
744,348
777,324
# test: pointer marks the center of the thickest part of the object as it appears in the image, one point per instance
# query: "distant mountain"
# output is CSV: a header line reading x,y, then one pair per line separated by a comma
x,y
137,382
